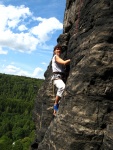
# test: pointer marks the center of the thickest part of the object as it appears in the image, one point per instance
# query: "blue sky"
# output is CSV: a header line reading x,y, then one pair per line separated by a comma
x,y
28,32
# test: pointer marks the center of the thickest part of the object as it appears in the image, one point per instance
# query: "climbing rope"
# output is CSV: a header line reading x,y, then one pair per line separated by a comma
x,y
53,89
78,19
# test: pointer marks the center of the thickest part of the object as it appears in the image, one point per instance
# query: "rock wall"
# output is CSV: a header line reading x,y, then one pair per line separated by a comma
x,y
85,117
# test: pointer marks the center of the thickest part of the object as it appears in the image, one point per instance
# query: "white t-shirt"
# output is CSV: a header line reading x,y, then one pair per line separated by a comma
x,y
56,67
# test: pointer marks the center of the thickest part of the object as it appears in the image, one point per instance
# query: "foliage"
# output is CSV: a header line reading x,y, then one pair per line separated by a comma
x,y
17,95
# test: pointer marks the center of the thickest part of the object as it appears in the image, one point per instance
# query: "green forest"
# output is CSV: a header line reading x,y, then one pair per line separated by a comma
x,y
17,98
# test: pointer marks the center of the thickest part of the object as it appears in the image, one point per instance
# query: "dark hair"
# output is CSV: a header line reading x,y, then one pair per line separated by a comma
x,y
57,46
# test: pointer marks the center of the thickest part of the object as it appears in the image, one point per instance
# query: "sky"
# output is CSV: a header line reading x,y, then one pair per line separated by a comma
x,y
28,33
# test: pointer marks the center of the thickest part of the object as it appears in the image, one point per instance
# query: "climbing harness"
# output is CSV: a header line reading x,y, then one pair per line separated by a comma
x,y
56,76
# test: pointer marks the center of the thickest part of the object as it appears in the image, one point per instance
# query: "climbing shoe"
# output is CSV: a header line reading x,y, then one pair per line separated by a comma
x,y
56,106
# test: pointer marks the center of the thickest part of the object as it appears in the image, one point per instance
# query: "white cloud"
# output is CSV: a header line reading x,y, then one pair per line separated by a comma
x,y
46,27
11,16
15,20
38,71
11,69
3,51
22,28
43,63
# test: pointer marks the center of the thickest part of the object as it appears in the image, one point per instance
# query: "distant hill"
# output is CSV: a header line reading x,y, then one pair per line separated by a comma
x,y
17,96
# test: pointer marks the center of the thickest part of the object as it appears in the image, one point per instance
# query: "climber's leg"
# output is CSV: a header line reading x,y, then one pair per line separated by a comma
x,y
60,89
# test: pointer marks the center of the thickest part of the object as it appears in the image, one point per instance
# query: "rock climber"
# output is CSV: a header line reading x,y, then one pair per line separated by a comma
x,y
58,65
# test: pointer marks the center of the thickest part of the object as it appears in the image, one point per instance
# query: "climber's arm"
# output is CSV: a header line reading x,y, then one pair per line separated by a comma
x,y
61,61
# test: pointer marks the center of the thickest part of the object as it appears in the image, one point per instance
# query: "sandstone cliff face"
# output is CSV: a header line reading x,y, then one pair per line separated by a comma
x,y
85,117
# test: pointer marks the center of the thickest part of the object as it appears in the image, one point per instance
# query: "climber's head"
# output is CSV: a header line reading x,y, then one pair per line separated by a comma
x,y
57,49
